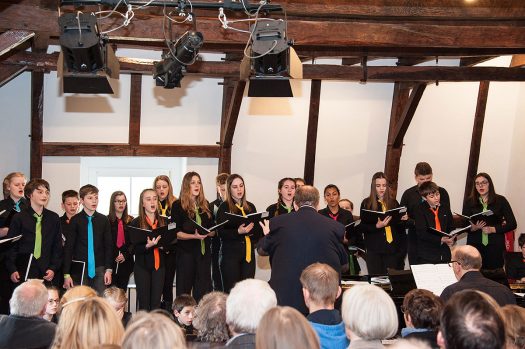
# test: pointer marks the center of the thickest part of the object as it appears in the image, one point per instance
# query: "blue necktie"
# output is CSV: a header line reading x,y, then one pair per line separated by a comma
x,y
17,206
91,249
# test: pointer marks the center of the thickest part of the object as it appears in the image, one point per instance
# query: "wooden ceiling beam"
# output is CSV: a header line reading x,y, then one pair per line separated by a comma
x,y
517,61
8,73
12,39
114,149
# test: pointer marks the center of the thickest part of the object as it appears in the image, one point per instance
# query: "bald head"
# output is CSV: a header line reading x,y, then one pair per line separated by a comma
x,y
468,257
29,299
307,195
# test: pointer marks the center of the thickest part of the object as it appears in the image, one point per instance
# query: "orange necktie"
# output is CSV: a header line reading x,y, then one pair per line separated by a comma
x,y
156,254
436,218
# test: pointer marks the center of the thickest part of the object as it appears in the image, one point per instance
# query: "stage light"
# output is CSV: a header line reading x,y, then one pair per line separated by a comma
x,y
271,61
169,72
86,63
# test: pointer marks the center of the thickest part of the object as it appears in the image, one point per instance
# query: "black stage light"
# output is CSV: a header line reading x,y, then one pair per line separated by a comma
x,y
169,72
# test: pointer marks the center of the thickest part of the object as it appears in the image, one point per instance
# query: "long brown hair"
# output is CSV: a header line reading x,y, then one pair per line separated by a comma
x,y
186,200
371,201
112,215
229,199
279,196
142,212
473,198
170,199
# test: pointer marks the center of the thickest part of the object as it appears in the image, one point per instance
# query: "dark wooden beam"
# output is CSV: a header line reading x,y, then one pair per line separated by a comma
x,y
135,109
110,149
226,151
477,132
406,116
311,134
37,116
233,113
8,73
12,39
408,61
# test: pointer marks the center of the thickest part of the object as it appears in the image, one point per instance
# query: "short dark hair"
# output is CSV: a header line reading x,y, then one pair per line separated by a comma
x,y
307,195
471,321
87,189
521,240
34,184
424,308
184,300
221,178
69,194
332,186
423,169
427,188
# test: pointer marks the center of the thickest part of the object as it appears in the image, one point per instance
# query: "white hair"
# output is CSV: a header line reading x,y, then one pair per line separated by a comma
x,y
247,302
369,313
29,299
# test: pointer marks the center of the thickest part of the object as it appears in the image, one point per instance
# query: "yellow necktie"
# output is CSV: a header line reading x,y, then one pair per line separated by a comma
x,y
388,230
198,219
246,239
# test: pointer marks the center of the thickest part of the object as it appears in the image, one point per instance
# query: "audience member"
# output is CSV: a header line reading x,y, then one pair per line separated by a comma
x,y
86,323
369,315
117,298
320,290
471,320
210,321
76,293
409,344
25,327
514,321
466,263
52,304
246,304
421,311
285,327
184,311
153,330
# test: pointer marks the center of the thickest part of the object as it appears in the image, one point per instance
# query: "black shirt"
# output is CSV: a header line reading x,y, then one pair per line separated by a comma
x,y
278,209
184,224
8,205
229,232
145,256
325,317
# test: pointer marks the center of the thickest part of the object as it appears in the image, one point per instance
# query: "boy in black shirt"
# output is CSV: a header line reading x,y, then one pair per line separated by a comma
x,y
184,310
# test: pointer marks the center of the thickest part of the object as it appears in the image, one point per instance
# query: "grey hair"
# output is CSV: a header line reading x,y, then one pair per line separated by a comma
x,y
29,299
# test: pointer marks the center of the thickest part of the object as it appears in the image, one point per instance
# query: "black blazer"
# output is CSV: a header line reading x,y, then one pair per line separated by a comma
x,y
51,254
295,241
184,224
277,210
124,249
429,246
515,265
144,256
26,332
352,234
375,239
229,233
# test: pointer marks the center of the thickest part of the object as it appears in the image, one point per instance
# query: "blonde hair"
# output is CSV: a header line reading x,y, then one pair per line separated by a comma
x,y
322,282
7,181
77,292
369,312
153,330
514,320
116,295
285,327
86,323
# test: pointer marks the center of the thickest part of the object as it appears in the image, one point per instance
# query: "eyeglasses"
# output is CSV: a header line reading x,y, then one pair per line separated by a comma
x,y
120,201
451,263
481,184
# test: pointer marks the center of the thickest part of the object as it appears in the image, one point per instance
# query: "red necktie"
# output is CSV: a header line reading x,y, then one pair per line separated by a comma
x,y
156,254
120,234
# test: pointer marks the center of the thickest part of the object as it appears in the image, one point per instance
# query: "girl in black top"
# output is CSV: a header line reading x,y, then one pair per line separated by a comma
x,y
118,219
352,236
381,238
237,256
286,192
490,241
193,250
149,259
164,189
515,262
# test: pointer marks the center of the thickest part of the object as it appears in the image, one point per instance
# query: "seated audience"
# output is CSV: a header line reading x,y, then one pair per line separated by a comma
x,y
285,327
514,320
246,304
117,298
369,315
153,330
421,311
471,320
320,290
515,262
86,323
76,293
466,263
25,327
210,321
409,344
184,310
52,304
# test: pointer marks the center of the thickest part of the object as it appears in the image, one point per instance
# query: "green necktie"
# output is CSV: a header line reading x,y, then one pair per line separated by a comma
x,y
38,237
484,236
199,222
289,209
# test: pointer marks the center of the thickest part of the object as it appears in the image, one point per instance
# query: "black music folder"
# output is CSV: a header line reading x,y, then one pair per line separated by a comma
x,y
238,220
488,217
167,233
205,231
453,233
372,216
6,217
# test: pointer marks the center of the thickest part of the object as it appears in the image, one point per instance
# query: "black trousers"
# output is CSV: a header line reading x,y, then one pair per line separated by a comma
x,y
96,283
167,293
377,263
193,273
121,276
149,286
215,266
234,267
492,255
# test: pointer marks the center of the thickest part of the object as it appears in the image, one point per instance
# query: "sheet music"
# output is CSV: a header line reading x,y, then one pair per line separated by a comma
x,y
28,266
13,239
83,270
433,277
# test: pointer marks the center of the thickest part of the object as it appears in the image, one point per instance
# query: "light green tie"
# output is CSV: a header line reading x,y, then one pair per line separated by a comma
x,y
38,237
484,236
199,222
